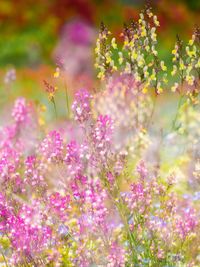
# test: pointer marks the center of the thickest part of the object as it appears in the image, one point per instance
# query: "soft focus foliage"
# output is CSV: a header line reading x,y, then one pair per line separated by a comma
x,y
108,183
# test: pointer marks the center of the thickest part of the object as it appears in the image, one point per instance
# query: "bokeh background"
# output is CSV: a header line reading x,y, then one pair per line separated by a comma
x,y
35,35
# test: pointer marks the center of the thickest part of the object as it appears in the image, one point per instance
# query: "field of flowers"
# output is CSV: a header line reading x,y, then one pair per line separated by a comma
x,y
104,172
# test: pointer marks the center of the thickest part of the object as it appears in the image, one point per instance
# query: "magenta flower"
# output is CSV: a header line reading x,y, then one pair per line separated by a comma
x,y
52,147
21,110
81,106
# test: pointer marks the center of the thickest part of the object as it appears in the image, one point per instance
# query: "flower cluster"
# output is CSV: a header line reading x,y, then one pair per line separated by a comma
x,y
138,56
107,187
104,61
139,52
186,65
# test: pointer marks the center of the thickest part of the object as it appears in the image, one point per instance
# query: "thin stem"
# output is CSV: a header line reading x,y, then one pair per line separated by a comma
x,y
4,258
54,104
177,112
122,211
152,111
67,101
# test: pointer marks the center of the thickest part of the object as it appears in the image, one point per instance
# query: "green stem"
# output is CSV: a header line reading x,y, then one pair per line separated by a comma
x,y
67,100
177,112
152,111
122,211
54,104
4,258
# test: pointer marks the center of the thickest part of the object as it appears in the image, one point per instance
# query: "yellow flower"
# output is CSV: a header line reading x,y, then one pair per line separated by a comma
x,y
198,64
113,43
174,70
108,59
137,77
174,87
154,51
153,76
149,13
141,16
98,46
131,44
159,88
57,73
174,51
120,58
140,21
101,75
190,79
143,31
145,89
191,42
155,20
181,65
134,55
127,68
41,121
163,67
51,96
147,48
153,36
126,42
190,53
146,73
140,61
43,108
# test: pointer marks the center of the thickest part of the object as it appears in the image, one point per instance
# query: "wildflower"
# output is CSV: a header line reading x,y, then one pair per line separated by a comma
x,y
117,256
52,147
104,62
50,89
191,41
155,20
113,43
174,70
81,106
163,67
175,87
186,226
10,76
120,58
102,134
21,110
59,204
33,175
185,62
142,170
57,73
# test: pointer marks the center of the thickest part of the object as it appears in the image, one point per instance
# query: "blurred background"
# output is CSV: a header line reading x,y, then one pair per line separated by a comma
x,y
35,35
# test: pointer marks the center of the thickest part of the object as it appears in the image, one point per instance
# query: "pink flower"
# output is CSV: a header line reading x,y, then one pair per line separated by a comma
x,y
81,106
117,256
59,204
52,147
21,110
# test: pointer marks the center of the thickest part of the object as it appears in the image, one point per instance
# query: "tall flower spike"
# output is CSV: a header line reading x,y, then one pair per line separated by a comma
x,y
104,62
139,53
81,106
21,110
10,76
50,89
102,135
186,66
52,147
